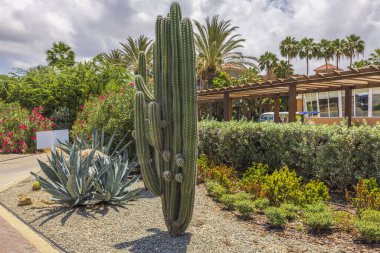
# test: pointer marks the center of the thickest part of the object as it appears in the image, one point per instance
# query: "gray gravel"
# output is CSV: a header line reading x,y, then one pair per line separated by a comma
x,y
139,227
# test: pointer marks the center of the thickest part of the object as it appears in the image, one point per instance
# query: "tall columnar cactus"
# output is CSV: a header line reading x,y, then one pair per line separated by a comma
x,y
166,121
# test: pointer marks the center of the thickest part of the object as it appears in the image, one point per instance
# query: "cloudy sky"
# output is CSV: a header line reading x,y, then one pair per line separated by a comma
x,y
29,27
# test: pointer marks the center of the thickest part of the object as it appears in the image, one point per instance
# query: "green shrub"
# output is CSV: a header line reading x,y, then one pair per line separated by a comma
x,y
112,112
291,210
284,186
229,200
215,189
367,194
245,208
335,154
318,217
18,128
261,203
316,191
369,225
254,178
276,216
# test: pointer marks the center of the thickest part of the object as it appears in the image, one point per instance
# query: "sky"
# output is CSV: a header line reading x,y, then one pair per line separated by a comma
x,y
29,27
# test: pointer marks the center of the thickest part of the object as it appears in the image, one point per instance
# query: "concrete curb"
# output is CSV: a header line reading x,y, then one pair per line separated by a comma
x,y
19,225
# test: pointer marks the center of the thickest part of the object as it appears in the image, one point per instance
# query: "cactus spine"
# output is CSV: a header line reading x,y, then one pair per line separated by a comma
x,y
166,121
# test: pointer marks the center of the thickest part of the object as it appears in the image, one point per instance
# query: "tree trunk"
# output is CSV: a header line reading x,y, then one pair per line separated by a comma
x,y
307,65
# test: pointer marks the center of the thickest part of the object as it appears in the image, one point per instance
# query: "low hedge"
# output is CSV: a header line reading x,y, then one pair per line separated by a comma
x,y
335,154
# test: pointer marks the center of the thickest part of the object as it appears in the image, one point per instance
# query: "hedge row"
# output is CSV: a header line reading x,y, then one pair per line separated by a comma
x,y
336,154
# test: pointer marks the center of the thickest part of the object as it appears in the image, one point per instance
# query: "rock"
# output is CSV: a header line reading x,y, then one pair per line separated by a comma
x,y
85,153
36,186
24,201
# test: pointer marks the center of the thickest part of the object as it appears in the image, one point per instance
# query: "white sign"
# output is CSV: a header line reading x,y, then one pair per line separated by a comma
x,y
49,139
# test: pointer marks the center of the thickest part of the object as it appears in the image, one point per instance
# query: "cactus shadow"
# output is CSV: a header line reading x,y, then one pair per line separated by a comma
x,y
159,241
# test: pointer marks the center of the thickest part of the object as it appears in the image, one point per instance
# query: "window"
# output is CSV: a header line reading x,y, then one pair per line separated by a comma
x,y
311,102
376,102
333,103
361,103
323,104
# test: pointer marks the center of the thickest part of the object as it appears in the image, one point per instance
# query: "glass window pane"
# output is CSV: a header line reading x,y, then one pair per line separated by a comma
x,y
323,104
344,103
376,102
313,98
361,103
333,103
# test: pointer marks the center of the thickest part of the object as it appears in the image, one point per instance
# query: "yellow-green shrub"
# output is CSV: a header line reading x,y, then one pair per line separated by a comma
x,y
245,207
229,200
318,217
315,191
276,216
215,189
203,166
284,186
224,175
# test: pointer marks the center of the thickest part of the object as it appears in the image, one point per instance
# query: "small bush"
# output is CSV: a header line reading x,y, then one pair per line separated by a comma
x,y
245,207
215,189
254,178
344,220
224,175
291,210
369,225
284,186
261,203
277,216
203,166
229,200
318,217
367,194
315,191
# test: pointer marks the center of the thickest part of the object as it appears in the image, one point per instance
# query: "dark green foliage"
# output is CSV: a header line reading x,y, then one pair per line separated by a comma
x,y
369,225
335,154
276,216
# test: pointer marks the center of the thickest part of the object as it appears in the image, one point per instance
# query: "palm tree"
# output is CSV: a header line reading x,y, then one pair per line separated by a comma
x,y
283,69
354,45
325,50
115,57
268,62
338,48
216,44
375,57
60,55
289,48
307,49
132,48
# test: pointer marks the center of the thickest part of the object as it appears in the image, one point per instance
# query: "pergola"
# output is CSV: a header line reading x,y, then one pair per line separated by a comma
x,y
367,77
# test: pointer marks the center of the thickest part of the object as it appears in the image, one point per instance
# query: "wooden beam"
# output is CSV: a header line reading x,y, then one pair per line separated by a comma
x,y
227,105
348,105
276,108
292,103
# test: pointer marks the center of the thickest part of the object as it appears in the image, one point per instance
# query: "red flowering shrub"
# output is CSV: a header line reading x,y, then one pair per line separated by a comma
x,y
112,111
18,127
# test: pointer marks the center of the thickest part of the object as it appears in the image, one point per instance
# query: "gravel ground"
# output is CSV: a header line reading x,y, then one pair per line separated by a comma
x,y
139,227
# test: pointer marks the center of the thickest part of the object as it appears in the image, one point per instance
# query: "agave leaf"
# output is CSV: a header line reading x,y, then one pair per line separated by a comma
x,y
131,195
72,185
110,143
51,174
44,183
116,149
102,141
125,188
88,182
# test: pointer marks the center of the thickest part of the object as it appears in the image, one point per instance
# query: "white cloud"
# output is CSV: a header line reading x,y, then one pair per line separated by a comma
x,y
29,27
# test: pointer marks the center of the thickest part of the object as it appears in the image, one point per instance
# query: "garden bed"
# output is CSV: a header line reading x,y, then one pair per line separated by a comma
x,y
139,227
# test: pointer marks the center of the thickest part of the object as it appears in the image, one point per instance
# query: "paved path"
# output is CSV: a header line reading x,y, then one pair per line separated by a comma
x,y
12,169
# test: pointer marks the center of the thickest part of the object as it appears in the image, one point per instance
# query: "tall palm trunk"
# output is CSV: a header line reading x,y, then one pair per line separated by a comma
x,y
307,65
